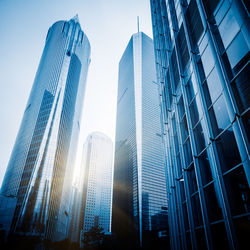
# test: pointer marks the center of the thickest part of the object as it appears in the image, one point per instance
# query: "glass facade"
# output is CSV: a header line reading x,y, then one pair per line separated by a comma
x,y
39,172
139,191
202,63
96,184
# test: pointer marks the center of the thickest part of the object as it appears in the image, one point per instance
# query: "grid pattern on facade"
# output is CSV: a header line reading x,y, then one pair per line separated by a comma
x,y
205,119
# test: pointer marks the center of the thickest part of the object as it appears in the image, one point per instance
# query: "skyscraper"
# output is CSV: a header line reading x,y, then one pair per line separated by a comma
x,y
139,190
39,172
96,184
202,58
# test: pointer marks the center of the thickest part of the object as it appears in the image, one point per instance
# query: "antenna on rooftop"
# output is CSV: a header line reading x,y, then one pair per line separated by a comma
x,y
138,26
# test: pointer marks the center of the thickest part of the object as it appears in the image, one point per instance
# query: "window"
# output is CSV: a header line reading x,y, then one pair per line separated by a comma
x,y
207,60
205,170
228,28
238,191
199,138
237,49
176,75
194,21
196,209
213,208
210,6
188,152
192,180
182,42
241,89
228,150
219,116
214,85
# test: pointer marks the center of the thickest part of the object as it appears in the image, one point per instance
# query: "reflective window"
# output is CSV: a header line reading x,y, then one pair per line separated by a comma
x,y
228,150
184,128
191,88
207,60
219,116
213,208
237,49
199,138
195,111
192,181
194,21
238,191
241,89
184,55
205,169
210,6
188,152
196,209
214,84
228,28
181,108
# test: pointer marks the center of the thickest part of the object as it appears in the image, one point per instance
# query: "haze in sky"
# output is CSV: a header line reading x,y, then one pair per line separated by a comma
x,y
108,24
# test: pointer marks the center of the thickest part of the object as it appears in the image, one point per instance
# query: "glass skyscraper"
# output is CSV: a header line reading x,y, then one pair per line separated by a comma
x,y
202,61
96,182
40,169
139,190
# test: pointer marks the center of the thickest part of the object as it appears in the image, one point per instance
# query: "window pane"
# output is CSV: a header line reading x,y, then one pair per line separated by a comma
x,y
228,150
188,152
205,170
194,21
219,236
181,108
241,89
213,208
238,191
214,85
207,60
228,28
199,138
184,129
196,209
219,116
237,49
242,229
192,181
195,111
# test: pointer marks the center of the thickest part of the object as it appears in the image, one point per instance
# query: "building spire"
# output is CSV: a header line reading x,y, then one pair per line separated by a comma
x,y
75,18
138,26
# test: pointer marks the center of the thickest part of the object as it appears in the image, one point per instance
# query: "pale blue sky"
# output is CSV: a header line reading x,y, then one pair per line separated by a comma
x,y
108,24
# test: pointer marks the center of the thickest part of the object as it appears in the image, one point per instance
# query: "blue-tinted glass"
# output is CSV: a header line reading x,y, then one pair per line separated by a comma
x,y
207,60
199,138
228,28
219,116
204,167
237,49
228,151
214,85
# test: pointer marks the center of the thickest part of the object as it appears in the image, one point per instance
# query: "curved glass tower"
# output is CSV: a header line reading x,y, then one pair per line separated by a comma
x,y
40,169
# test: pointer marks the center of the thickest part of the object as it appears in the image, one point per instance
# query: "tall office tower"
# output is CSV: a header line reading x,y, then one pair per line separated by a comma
x,y
139,191
96,187
202,58
41,165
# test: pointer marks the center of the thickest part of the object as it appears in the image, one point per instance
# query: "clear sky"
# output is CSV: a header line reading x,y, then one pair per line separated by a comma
x,y
108,24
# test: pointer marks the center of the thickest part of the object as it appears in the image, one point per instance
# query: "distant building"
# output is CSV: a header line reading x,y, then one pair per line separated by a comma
x,y
39,172
7,209
96,185
139,190
202,62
